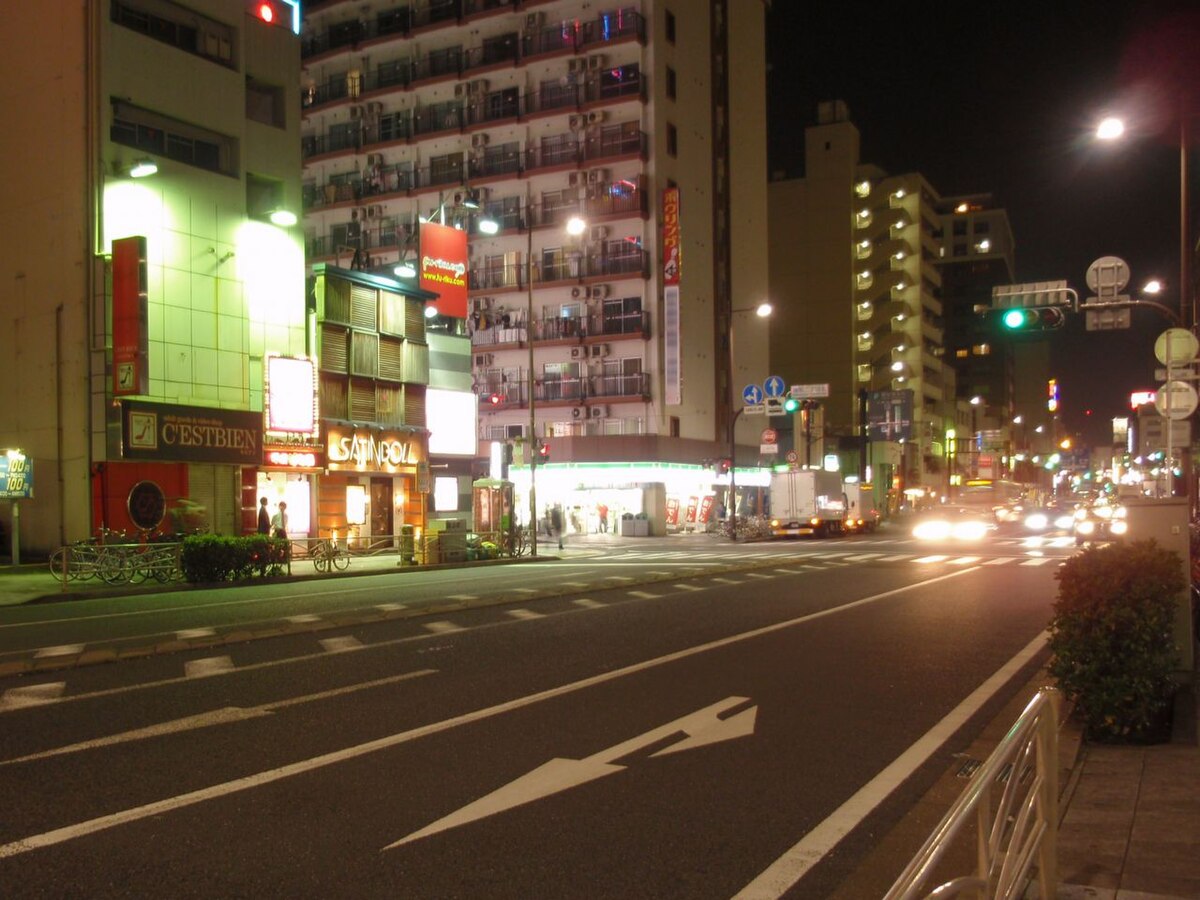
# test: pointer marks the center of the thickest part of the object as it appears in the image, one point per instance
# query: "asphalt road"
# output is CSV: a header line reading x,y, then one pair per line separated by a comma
x,y
698,731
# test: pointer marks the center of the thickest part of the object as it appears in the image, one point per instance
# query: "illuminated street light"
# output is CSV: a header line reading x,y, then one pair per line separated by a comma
x,y
762,310
1153,286
1110,128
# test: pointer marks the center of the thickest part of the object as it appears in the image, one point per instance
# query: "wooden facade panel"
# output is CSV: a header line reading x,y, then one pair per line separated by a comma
x,y
362,400
333,397
335,349
364,308
364,354
392,313
416,362
391,359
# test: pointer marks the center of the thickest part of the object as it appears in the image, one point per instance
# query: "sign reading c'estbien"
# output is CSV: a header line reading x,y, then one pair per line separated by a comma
x,y
164,431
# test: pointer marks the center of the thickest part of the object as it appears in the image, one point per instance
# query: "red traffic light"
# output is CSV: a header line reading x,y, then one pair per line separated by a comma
x,y
495,399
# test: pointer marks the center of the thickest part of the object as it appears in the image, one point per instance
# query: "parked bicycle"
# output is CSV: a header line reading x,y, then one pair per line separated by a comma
x,y
329,555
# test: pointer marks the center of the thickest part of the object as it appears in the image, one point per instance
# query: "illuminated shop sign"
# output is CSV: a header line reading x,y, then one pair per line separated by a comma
x,y
190,434
130,331
292,458
374,450
290,390
443,268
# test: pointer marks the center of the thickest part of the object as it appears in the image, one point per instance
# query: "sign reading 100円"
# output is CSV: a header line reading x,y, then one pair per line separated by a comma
x,y
16,476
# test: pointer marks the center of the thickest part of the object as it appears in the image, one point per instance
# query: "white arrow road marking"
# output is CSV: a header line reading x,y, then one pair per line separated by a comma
x,y
213,717
701,727
31,695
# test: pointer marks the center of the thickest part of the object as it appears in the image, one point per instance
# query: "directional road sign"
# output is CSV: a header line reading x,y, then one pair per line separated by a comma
x,y
810,391
774,386
752,395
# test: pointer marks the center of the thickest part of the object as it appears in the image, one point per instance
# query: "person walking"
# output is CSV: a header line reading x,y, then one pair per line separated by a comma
x,y
556,524
264,517
602,511
279,522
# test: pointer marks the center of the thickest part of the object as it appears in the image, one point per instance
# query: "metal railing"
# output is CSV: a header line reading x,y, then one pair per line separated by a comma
x,y
1013,831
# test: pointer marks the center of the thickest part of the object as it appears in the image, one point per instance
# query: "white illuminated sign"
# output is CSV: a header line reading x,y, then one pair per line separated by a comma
x,y
450,417
356,504
445,493
291,395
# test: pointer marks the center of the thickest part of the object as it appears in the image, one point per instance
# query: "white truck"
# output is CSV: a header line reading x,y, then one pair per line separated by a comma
x,y
807,502
861,512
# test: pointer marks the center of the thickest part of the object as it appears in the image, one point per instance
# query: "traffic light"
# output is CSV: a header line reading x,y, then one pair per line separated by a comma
x,y
791,405
543,452
1031,318
493,399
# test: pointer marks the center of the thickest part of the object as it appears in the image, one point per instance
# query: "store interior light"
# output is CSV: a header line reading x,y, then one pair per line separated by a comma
x,y
405,269
284,218
143,168
431,311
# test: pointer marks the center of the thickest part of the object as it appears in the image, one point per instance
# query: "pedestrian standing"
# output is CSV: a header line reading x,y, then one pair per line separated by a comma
x,y
279,522
556,524
602,511
264,517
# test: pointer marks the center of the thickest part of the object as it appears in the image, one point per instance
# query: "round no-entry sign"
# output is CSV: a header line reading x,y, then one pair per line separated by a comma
x,y
769,436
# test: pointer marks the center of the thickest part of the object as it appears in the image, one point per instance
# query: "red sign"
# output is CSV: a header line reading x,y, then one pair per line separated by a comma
x,y
672,511
130,339
706,504
672,252
690,515
443,268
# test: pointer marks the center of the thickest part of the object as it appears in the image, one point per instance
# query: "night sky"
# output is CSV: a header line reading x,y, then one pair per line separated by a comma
x,y
1003,98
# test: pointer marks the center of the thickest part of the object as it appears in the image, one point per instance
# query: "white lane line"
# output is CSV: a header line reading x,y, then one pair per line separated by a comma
x,y
896,557
1038,562
861,556
341,644
524,614
931,559
249,782
190,633
390,607
574,584
588,603
722,580
782,875
62,650
442,627
687,587
461,597
31,695
211,665
214,717
617,578
999,561
787,571
523,590
643,595
305,619
759,575
964,560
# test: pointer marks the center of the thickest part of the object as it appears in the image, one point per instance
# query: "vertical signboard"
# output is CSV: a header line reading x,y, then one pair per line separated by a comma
x,y
443,268
889,415
672,253
130,341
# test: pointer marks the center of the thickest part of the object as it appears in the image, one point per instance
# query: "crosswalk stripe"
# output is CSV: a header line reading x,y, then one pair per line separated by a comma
x,y
728,580
305,619
390,607
588,603
1037,561
758,575
687,587
62,650
930,559
31,695
212,665
442,627
998,561
643,595
964,560
861,556
189,633
462,597
898,557
524,614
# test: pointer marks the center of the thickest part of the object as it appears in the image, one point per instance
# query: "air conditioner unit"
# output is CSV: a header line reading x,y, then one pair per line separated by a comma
x,y
484,359
599,232
374,159
374,109
574,179
599,351
597,412
479,140
374,212
575,122
356,112
479,86
598,176
460,90
596,62
481,304
577,292
578,412
534,20
596,117
578,352
600,291
577,65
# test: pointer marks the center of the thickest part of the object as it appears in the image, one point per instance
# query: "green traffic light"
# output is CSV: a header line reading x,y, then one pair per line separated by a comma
x,y
1015,318
790,405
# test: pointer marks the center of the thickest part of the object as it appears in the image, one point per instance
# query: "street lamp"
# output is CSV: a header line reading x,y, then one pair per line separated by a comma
x,y
976,443
762,310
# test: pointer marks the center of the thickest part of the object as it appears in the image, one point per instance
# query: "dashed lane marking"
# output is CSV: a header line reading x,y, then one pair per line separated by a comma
x,y
643,595
62,650
31,695
192,633
211,665
524,614
588,603
305,619
341,644
442,627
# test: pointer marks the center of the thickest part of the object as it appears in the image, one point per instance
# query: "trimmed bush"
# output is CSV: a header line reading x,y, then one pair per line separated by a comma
x,y
210,558
1111,636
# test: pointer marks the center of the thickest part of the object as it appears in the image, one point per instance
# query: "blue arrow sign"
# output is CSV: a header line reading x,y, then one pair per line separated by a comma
x,y
774,386
752,394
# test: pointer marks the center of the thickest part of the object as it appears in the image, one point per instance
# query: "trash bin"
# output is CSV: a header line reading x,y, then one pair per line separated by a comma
x,y
408,545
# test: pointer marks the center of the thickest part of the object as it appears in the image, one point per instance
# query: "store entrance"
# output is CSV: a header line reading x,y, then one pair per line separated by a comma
x,y
382,514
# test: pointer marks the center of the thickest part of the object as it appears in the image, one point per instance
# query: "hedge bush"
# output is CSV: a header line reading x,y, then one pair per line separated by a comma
x,y
1111,636
209,558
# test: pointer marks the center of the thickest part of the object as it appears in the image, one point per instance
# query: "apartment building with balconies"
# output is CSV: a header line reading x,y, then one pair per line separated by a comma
x,y
523,117
854,256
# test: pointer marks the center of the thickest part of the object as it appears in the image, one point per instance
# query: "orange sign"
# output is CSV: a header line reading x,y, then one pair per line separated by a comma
x,y
672,252
443,268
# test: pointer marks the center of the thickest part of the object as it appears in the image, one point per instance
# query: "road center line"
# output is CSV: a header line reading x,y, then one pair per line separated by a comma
x,y
782,875
250,782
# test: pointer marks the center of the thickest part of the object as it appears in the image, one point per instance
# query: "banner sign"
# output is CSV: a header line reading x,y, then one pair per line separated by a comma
x,y
443,267
163,431
130,329
672,259
16,476
889,415
671,249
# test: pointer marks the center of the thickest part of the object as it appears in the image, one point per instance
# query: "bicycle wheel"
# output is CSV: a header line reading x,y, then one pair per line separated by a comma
x,y
340,560
320,560
60,565
115,567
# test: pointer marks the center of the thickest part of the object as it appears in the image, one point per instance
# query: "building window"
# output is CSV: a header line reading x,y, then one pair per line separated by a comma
x,y
670,83
670,27
672,140
164,136
982,349
263,196
265,104
178,27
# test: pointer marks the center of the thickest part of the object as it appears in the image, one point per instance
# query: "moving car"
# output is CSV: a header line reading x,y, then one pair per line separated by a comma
x,y
962,523
1100,521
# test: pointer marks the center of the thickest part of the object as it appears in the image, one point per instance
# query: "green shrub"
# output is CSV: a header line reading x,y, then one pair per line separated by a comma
x,y
210,558
1111,636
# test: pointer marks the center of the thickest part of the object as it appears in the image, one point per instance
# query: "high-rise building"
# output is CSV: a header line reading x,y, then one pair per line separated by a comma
x,y
152,274
609,347
854,263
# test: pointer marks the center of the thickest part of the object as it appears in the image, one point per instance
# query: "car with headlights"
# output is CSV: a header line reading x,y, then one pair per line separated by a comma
x,y
1099,521
1046,519
950,523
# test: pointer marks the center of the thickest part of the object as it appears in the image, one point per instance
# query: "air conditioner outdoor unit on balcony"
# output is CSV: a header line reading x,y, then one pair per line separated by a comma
x,y
600,291
534,20
599,351
577,65
575,122
578,412
484,359
479,140
596,117
479,86
578,352
599,232
597,412
574,178
374,109
596,62
577,292
460,90
356,112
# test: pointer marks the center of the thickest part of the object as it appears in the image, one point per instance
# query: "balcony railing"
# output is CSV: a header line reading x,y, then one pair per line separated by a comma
x,y
513,388
597,323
